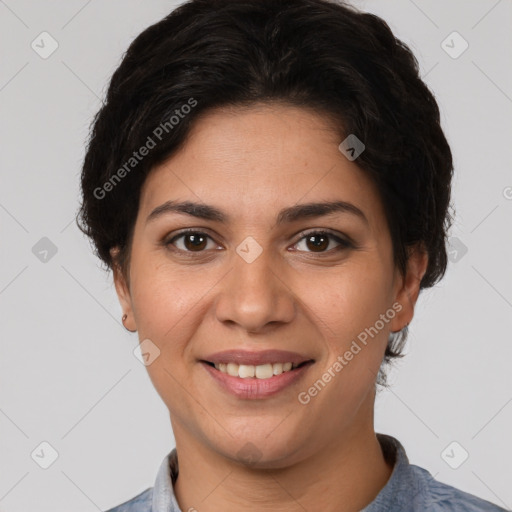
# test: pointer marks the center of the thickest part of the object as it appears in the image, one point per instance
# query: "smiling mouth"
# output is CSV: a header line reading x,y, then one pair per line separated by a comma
x,y
261,372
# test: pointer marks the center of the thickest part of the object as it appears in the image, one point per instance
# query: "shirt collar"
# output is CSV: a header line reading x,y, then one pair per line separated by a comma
x,y
400,483
164,499
401,479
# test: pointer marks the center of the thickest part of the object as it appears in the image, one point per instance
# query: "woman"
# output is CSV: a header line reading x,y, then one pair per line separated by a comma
x,y
269,183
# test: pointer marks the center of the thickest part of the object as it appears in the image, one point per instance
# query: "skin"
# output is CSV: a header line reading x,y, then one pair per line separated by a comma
x,y
251,163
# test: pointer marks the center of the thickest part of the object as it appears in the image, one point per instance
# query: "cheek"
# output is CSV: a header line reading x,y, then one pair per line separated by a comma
x,y
157,286
351,301
165,306
167,309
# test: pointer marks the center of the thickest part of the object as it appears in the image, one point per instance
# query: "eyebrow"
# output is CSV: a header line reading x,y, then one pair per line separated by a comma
x,y
286,215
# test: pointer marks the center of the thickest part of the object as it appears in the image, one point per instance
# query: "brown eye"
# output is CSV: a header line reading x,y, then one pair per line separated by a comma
x,y
319,241
192,241
195,241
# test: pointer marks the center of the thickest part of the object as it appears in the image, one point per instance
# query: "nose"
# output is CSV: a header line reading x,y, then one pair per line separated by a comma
x,y
255,296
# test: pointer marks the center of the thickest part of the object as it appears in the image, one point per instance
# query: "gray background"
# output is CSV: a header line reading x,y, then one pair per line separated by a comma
x,y
68,373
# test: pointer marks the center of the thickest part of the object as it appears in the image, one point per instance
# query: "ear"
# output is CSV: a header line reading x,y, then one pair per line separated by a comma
x,y
408,286
123,290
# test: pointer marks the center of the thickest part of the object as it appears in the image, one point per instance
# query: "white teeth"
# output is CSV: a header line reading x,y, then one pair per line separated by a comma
x,y
262,371
246,370
278,368
232,369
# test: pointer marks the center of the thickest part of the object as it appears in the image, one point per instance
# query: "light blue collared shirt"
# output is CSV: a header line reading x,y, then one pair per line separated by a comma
x,y
409,489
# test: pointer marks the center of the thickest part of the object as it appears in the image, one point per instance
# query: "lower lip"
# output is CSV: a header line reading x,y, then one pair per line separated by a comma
x,y
253,388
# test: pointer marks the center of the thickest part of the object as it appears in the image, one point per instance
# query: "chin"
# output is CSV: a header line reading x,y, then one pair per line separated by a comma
x,y
260,450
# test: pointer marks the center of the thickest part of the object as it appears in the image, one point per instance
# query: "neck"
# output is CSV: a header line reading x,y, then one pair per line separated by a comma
x,y
342,476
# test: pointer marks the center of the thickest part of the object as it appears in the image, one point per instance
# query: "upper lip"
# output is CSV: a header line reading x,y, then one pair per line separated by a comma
x,y
256,358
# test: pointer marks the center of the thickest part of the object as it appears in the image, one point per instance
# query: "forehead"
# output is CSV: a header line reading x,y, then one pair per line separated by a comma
x,y
259,159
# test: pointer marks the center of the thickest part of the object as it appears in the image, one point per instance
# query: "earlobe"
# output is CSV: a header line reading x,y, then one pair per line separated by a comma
x,y
124,319
123,291
409,289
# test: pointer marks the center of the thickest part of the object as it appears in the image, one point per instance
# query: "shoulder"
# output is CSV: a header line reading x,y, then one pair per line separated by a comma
x,y
140,503
412,488
439,497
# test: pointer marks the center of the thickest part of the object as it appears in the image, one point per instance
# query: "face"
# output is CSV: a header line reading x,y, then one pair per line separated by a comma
x,y
261,281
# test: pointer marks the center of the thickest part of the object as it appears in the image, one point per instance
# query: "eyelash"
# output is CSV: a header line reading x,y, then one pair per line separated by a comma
x,y
343,243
